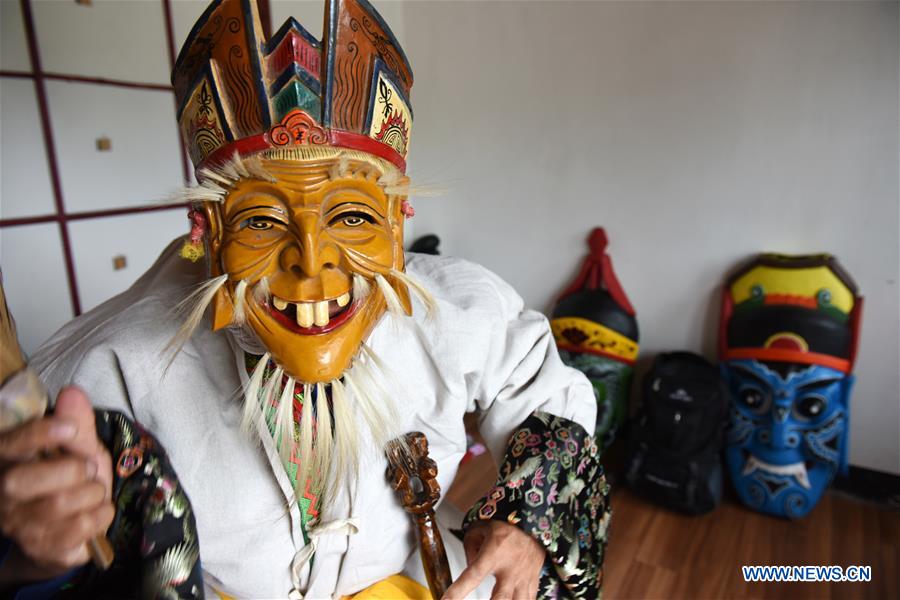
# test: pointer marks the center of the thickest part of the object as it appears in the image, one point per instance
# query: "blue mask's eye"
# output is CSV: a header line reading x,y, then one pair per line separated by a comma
x,y
810,408
754,399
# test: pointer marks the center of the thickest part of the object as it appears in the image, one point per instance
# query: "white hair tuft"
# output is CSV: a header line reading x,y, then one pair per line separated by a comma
x,y
240,303
361,287
284,421
214,182
254,166
195,306
304,469
323,441
238,165
420,292
261,291
346,438
390,296
327,446
252,410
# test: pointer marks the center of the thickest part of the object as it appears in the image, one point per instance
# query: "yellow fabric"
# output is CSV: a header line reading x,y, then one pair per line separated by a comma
x,y
395,587
793,282
598,337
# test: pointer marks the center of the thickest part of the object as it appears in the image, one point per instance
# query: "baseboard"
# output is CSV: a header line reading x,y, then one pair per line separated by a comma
x,y
869,484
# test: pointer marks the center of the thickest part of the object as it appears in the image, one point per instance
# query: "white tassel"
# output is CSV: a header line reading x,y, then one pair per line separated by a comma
x,y
216,182
239,167
252,410
390,296
390,177
306,440
340,168
424,296
346,437
284,421
323,438
207,191
371,412
207,173
240,302
254,166
227,169
370,355
271,391
361,287
261,291
195,305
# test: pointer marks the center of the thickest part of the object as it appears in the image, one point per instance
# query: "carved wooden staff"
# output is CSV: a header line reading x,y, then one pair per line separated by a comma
x,y
23,397
414,476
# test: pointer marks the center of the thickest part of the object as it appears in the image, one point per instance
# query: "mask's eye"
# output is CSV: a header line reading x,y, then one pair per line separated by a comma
x,y
810,408
353,219
258,223
754,399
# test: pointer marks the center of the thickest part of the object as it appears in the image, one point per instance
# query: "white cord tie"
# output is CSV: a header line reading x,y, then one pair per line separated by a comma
x,y
303,556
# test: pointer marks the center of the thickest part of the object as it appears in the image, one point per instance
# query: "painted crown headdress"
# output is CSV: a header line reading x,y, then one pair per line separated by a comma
x,y
236,92
795,309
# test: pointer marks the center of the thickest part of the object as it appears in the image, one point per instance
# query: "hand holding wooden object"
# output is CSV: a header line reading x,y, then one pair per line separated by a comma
x,y
23,431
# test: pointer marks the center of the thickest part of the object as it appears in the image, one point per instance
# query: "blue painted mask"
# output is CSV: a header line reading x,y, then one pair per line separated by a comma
x,y
787,435
787,343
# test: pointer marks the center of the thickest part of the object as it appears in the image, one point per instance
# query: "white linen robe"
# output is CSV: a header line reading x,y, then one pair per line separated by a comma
x,y
483,352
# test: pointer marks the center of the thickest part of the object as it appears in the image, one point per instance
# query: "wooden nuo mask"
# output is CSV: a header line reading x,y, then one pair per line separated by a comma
x,y
300,149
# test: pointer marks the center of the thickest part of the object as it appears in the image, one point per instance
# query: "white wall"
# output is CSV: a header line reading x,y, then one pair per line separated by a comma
x,y
697,133
142,168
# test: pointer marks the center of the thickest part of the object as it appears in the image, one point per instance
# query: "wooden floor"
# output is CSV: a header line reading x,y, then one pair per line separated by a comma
x,y
655,553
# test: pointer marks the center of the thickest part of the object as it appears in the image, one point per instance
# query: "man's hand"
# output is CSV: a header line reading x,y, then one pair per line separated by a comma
x,y
513,556
55,490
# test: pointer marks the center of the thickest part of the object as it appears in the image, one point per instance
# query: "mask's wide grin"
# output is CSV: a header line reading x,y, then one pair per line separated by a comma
x,y
311,318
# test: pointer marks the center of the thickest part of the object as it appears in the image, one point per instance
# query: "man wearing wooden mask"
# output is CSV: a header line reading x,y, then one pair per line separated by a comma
x,y
324,341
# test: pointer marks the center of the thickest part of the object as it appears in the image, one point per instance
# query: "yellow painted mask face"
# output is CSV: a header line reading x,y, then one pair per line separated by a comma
x,y
308,233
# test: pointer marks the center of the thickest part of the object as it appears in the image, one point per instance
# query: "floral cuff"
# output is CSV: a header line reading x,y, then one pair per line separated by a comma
x,y
552,486
154,534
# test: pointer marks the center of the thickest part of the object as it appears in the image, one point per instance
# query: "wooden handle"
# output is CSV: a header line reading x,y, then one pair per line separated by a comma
x,y
413,474
102,553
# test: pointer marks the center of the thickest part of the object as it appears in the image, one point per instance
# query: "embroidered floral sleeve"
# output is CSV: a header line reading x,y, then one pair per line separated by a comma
x,y
154,534
552,486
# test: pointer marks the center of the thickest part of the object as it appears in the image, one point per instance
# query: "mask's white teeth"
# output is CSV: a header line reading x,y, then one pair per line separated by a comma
x,y
279,303
321,313
796,470
343,300
304,314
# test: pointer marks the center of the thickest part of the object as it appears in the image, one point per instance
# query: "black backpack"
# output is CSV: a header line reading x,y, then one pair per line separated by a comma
x,y
676,439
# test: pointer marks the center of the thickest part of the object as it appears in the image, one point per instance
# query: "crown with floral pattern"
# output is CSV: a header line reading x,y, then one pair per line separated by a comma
x,y
236,92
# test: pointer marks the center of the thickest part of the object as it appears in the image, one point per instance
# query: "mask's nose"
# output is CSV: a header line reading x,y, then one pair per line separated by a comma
x,y
310,253
782,436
